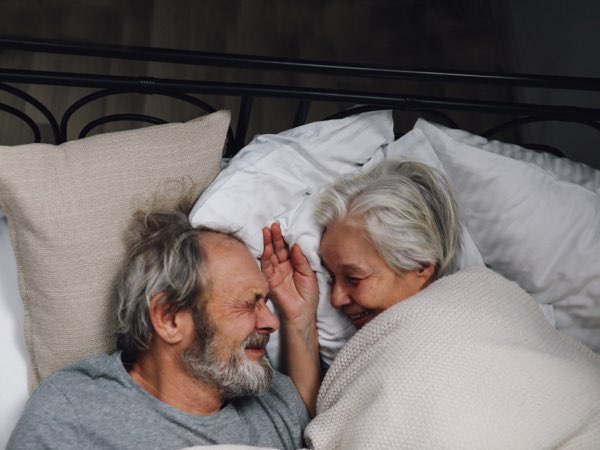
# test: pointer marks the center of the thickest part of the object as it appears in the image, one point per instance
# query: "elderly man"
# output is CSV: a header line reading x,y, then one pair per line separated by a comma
x,y
190,367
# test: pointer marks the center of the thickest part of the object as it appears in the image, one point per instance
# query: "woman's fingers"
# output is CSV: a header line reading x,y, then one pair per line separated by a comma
x,y
280,247
275,257
268,260
299,261
267,246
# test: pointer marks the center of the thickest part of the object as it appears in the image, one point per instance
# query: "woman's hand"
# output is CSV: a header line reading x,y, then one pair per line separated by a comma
x,y
292,282
294,287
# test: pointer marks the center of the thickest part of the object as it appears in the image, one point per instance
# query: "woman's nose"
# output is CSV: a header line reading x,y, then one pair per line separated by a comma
x,y
339,297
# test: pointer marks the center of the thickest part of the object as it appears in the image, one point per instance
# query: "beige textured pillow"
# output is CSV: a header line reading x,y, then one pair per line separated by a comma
x,y
68,207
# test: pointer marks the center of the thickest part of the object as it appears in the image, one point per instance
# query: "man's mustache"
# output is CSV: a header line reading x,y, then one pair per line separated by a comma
x,y
256,340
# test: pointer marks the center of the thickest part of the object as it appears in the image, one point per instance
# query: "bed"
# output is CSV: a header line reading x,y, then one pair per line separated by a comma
x,y
70,179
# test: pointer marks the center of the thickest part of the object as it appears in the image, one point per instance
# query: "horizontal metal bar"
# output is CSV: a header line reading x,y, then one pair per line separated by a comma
x,y
405,102
298,66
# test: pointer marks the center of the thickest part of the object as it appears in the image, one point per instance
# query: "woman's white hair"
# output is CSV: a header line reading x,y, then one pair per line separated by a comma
x,y
405,209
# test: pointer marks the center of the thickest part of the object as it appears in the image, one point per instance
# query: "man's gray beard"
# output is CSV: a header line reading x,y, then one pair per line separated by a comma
x,y
237,376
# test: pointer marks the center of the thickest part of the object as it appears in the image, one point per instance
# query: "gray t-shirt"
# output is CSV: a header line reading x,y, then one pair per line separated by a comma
x,y
96,404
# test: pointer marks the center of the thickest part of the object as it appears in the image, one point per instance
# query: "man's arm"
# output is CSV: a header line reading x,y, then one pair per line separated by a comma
x,y
294,288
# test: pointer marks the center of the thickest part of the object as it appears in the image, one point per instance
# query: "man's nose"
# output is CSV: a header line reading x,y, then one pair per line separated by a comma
x,y
266,321
339,297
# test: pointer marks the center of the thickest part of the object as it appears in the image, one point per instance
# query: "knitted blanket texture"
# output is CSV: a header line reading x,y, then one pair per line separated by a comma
x,y
467,363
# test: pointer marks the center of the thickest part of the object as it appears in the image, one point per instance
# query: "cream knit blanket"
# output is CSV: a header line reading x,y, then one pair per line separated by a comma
x,y
468,363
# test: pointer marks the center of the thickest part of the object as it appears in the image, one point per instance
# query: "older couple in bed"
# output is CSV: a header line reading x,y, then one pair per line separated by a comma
x,y
441,360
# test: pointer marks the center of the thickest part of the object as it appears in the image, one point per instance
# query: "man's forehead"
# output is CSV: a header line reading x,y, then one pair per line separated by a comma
x,y
210,239
234,274
228,256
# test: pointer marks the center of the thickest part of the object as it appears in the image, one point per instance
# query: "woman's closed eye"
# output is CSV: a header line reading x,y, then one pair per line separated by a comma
x,y
331,279
348,280
353,281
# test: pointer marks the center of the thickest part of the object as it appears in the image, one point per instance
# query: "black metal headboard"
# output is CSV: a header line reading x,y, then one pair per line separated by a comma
x,y
386,94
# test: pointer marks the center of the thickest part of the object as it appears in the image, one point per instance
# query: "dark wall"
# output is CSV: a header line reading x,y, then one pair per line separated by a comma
x,y
557,38
459,34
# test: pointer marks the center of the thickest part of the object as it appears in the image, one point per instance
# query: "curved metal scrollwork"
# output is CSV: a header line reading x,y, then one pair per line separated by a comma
x,y
118,118
443,118
519,122
37,135
135,117
64,123
526,120
26,118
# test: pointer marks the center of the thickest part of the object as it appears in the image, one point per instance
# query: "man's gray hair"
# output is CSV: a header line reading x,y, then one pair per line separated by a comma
x,y
166,257
407,211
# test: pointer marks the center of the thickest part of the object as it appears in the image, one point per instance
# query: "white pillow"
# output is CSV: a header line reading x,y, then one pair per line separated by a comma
x,y
564,168
532,226
13,355
277,178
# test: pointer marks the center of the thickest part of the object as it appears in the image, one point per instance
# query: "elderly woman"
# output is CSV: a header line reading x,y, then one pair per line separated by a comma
x,y
442,359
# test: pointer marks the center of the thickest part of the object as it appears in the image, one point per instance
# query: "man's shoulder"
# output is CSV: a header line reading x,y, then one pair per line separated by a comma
x,y
79,374
53,410
281,392
281,381
279,410
282,396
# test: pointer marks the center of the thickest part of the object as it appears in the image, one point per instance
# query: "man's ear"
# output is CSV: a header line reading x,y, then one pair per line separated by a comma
x,y
167,322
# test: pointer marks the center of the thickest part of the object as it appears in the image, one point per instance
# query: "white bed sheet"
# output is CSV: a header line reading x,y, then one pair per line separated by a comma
x,y
13,355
